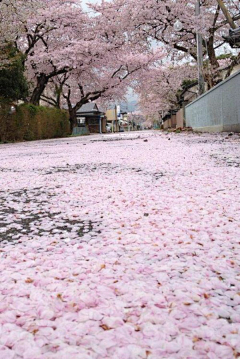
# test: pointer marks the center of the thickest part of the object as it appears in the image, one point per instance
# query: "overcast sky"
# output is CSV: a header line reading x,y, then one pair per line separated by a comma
x,y
84,3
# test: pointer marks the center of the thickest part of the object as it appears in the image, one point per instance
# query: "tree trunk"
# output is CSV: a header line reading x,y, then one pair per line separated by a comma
x,y
42,81
73,112
212,54
72,117
213,76
58,96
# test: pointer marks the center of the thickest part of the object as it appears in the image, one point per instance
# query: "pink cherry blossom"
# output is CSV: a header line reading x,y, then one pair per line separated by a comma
x,y
102,258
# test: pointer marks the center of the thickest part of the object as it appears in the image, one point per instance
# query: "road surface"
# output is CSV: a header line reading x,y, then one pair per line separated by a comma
x,y
123,246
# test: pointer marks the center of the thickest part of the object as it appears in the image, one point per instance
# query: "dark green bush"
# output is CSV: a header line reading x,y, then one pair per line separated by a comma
x,y
31,122
13,84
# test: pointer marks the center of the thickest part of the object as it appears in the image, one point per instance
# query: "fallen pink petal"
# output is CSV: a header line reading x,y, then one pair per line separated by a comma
x,y
122,248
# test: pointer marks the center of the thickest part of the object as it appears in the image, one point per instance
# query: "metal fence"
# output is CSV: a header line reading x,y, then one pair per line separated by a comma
x,y
218,109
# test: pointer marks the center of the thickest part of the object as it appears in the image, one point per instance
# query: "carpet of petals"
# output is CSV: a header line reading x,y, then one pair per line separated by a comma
x,y
120,247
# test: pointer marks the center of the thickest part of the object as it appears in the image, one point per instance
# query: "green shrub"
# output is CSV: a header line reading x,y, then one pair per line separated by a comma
x,y
31,122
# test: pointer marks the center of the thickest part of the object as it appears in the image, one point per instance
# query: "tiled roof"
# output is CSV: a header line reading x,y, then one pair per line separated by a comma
x,y
88,107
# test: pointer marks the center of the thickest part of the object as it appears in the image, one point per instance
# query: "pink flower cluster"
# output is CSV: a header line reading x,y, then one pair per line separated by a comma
x,y
122,249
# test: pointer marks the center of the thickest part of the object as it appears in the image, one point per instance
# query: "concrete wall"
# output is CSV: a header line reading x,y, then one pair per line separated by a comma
x,y
180,119
173,121
80,131
218,109
170,122
167,124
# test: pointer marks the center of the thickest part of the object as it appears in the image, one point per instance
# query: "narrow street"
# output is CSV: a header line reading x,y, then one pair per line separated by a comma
x,y
120,246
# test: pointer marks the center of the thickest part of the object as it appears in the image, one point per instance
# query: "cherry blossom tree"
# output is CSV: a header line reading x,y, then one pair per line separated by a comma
x,y
82,58
75,56
155,20
159,88
48,42
9,27
91,83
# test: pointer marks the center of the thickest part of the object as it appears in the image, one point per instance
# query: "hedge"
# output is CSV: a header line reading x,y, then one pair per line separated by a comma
x,y
31,122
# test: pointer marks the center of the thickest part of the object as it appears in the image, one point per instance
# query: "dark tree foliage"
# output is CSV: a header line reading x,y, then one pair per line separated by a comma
x,y
13,84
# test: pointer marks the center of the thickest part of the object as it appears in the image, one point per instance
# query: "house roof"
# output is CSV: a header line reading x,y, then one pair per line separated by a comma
x,y
89,107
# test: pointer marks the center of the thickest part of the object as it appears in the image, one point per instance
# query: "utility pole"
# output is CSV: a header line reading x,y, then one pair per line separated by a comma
x,y
226,14
201,86
100,124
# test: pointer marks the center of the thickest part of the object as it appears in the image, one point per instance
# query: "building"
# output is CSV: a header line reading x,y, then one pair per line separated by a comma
x,y
90,120
112,119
